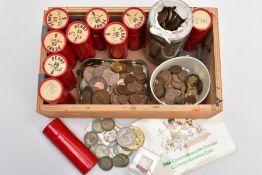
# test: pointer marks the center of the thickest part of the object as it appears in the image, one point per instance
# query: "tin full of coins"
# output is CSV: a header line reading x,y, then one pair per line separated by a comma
x,y
52,91
70,146
55,42
97,19
56,18
134,19
116,37
202,23
78,34
56,66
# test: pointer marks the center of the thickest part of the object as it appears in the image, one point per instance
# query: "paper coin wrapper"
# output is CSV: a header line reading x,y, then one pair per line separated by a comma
x,y
183,144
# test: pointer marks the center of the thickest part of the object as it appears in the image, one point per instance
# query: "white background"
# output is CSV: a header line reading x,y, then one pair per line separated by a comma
x,y
23,148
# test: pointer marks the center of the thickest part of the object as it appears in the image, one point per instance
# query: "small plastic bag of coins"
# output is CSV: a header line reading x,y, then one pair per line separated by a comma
x,y
169,24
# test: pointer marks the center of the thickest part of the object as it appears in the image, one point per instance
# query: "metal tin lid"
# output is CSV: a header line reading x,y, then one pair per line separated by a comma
x,y
134,18
54,41
202,19
56,18
115,33
97,18
55,65
50,90
70,146
77,32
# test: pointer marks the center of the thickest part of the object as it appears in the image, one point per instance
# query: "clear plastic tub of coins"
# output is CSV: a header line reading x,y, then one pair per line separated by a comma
x,y
107,81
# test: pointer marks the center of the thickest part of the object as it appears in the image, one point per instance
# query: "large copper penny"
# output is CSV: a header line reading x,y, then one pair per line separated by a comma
x,y
121,89
97,83
100,97
86,97
129,67
165,77
88,73
138,69
135,99
159,90
130,78
122,99
141,78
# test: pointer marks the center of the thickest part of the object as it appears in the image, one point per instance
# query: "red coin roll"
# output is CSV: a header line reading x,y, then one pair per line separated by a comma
x,y
79,36
52,91
97,19
134,19
56,66
56,18
70,146
202,23
116,37
55,42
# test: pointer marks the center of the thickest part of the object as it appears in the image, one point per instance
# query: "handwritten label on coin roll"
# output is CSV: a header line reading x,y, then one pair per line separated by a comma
x,y
54,41
134,18
97,18
201,19
57,18
51,90
77,33
115,33
55,65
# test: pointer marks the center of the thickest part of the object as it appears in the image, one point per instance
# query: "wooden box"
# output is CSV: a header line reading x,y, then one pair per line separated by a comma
x,y
210,56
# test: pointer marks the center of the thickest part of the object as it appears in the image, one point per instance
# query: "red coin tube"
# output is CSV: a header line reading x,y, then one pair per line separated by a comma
x,y
70,146
116,37
134,19
202,23
56,66
56,18
54,42
97,19
52,91
79,36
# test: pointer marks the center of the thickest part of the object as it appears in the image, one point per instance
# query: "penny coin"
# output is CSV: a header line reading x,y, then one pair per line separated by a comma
x,y
110,136
131,87
113,98
178,85
121,89
124,67
86,97
98,71
121,150
88,73
170,95
115,89
90,139
110,77
122,99
162,15
93,148
138,69
165,77
97,125
129,67
130,78
159,90
182,75
105,163
121,82
141,78
116,67
140,138
200,87
98,83
101,151
175,78
108,124
126,137
135,99
192,80
100,97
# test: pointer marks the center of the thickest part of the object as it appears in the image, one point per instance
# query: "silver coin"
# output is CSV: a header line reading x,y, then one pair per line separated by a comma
x,y
97,125
93,148
90,139
120,150
108,124
101,151
126,137
110,136
120,160
111,152
105,163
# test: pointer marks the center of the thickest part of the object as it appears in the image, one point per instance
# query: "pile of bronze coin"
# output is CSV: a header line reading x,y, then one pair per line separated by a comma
x,y
177,85
114,83
111,144
169,19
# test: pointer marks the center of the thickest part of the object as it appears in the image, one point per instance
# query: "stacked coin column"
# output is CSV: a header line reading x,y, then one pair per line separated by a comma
x,y
79,36
97,19
55,42
116,37
134,20
56,66
52,91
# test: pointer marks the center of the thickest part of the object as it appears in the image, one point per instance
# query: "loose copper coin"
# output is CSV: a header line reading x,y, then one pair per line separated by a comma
x,y
135,99
130,78
122,99
110,77
121,89
135,87
113,99
165,77
116,67
88,73
175,78
170,95
141,78
86,97
124,67
97,83
140,88
175,69
100,97
182,75
178,85
138,69
190,98
129,67
159,90
115,90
